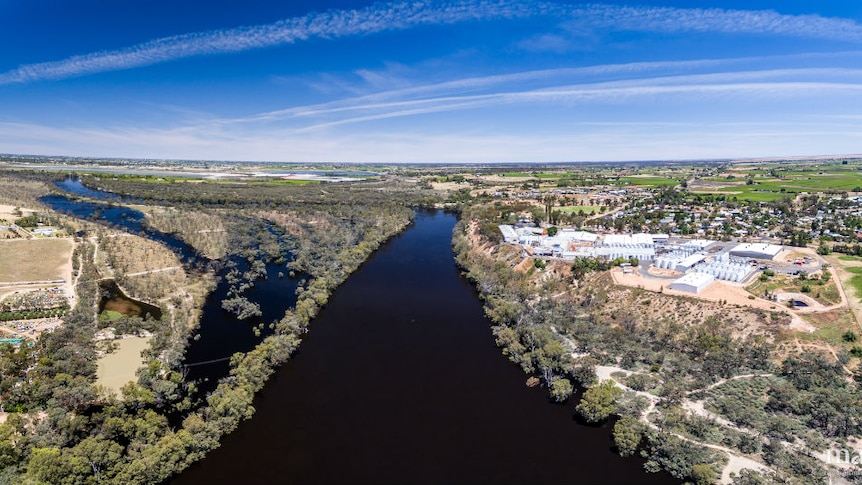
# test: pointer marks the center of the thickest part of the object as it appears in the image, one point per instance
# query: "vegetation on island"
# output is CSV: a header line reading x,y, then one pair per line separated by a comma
x,y
61,428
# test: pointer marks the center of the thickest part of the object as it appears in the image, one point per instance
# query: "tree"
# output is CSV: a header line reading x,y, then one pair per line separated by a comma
x,y
100,454
561,389
599,402
627,435
703,474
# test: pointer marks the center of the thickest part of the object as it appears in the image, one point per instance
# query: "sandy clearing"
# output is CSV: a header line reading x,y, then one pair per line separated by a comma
x,y
36,259
716,292
735,462
6,212
116,369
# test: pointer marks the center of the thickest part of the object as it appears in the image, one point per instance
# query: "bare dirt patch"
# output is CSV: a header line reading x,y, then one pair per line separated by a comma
x,y
720,300
8,212
117,368
35,260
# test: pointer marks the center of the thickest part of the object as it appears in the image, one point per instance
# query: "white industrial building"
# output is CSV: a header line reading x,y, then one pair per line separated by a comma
x,y
692,282
629,240
660,238
679,260
695,244
578,236
642,254
614,252
756,250
509,234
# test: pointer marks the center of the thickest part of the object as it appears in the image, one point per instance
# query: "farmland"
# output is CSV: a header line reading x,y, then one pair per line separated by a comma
x,y
773,181
34,260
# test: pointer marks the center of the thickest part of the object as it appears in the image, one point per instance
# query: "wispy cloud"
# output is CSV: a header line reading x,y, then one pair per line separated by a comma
x,y
330,24
642,80
613,142
404,15
666,19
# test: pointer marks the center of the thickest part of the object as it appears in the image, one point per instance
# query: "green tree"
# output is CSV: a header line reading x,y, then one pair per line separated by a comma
x,y
703,474
99,453
561,389
627,435
599,402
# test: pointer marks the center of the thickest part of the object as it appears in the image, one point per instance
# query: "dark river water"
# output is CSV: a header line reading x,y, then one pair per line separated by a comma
x,y
399,381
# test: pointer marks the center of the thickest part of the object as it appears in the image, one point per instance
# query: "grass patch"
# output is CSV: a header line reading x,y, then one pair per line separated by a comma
x,y
830,327
280,182
648,181
856,280
827,294
574,209
110,316
34,259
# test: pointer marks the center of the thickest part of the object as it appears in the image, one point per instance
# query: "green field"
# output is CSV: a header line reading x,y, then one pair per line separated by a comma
x,y
539,175
648,181
856,280
771,183
752,192
570,209
110,316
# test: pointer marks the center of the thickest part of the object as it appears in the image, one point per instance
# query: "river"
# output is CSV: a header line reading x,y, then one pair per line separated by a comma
x,y
399,381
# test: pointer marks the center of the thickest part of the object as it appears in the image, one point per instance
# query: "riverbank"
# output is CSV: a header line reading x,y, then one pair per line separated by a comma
x,y
399,378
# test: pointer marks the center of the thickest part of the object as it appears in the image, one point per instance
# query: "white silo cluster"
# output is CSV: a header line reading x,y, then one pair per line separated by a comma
x,y
727,269
669,260
679,260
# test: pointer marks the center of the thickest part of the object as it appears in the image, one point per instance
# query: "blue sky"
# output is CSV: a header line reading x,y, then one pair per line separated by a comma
x,y
430,81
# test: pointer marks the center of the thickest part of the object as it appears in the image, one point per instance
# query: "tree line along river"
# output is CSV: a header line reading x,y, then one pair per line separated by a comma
x,y
397,381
